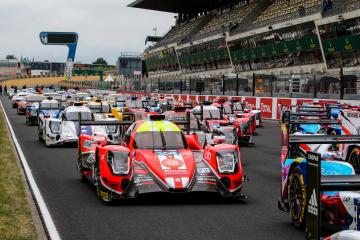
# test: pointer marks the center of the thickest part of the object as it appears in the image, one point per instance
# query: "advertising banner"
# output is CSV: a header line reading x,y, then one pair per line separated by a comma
x,y
283,104
266,107
250,102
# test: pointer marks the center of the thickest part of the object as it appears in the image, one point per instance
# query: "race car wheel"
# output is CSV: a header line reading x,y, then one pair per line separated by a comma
x,y
47,144
354,159
39,134
297,198
81,173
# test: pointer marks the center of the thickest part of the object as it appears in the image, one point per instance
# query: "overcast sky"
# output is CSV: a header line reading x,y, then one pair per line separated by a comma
x,y
106,28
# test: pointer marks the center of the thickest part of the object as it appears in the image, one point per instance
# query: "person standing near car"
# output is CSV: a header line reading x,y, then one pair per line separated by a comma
x,y
5,90
1,90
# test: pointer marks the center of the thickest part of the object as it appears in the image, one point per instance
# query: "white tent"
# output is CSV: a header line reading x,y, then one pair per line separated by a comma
x,y
109,79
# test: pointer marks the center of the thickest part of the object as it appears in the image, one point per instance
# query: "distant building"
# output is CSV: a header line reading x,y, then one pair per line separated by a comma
x,y
46,68
130,64
9,68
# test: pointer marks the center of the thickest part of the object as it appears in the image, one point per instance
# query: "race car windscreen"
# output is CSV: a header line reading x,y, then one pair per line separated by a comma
x,y
227,110
159,140
74,116
238,107
213,114
97,108
134,104
49,105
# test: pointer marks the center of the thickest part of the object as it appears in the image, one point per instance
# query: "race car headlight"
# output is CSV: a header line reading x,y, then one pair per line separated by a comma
x,y
55,127
111,129
226,162
119,162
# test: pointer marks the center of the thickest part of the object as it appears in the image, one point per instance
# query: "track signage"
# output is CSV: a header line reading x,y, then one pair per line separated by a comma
x,y
68,39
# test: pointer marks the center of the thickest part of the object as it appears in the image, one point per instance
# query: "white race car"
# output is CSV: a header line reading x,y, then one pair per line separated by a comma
x,y
64,127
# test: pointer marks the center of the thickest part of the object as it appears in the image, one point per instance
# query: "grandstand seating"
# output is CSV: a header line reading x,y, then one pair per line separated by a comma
x,y
281,9
230,17
182,30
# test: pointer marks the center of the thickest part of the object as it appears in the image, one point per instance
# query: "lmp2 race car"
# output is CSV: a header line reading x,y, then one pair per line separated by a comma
x,y
214,123
63,127
156,156
47,106
338,209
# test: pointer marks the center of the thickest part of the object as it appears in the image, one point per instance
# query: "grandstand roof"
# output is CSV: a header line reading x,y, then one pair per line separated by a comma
x,y
177,6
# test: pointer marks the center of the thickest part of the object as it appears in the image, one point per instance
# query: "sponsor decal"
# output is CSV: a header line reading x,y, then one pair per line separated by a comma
x,y
313,204
87,143
104,194
203,171
353,114
171,161
266,107
207,156
86,130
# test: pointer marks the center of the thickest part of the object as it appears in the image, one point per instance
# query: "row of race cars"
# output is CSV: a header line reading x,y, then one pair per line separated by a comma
x,y
331,132
129,146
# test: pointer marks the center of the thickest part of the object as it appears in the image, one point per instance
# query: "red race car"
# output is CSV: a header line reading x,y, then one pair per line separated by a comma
x,y
28,101
156,156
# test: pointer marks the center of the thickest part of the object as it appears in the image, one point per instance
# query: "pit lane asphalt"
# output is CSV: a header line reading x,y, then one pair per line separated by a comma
x,y
79,214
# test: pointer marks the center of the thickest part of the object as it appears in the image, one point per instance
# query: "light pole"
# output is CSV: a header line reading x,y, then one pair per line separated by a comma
x,y
155,30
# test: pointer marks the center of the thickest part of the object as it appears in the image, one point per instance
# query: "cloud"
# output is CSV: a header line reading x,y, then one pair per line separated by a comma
x,y
106,28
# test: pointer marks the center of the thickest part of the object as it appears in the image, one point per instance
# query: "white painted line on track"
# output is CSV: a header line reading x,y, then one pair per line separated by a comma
x,y
48,222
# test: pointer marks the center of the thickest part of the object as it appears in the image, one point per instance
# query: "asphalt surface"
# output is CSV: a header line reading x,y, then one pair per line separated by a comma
x,y
79,214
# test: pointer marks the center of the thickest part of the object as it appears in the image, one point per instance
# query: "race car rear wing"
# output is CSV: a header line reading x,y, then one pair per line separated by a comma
x,y
201,113
310,114
323,139
315,121
50,108
335,183
316,183
127,123
311,109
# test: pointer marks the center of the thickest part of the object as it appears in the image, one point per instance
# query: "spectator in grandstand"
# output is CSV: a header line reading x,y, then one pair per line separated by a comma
x,y
301,10
327,5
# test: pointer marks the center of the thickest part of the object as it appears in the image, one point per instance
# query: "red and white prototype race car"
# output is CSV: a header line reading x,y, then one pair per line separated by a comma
x,y
156,156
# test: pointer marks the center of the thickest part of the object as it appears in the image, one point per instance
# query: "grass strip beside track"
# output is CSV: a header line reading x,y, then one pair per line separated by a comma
x,y
15,215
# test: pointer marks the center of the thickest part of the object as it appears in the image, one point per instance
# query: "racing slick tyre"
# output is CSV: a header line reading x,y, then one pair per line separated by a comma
x,y
47,144
354,159
297,198
81,173
39,135
103,193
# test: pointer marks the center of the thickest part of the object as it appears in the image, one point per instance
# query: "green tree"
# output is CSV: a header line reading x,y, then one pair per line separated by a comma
x,y
10,57
100,61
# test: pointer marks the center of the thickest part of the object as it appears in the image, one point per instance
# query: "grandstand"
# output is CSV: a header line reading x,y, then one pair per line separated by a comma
x,y
261,43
